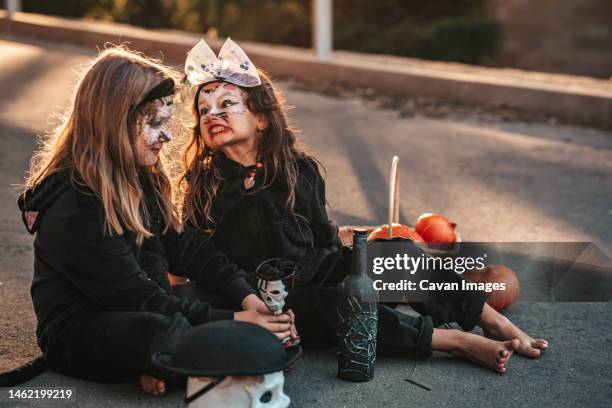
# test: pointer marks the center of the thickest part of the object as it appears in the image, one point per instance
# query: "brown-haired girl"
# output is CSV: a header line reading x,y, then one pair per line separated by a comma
x,y
96,192
249,185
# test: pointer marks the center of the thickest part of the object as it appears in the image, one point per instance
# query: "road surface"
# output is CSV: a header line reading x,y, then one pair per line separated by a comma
x,y
499,181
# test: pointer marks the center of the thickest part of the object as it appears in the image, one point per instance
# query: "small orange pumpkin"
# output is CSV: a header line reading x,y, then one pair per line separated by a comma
x,y
497,299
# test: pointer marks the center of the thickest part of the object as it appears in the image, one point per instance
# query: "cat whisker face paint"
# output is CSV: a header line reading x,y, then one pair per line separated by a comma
x,y
221,100
225,118
152,130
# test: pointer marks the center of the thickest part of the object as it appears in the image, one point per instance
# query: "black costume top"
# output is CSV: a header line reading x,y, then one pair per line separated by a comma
x,y
253,225
78,267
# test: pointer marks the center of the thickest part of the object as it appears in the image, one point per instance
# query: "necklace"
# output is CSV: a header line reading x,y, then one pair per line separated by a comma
x,y
249,180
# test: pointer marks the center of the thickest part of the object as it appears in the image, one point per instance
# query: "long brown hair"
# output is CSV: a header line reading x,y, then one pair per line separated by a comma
x,y
277,149
93,141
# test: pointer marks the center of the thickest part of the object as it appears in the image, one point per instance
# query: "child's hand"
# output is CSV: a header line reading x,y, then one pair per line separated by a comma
x,y
293,330
253,302
279,325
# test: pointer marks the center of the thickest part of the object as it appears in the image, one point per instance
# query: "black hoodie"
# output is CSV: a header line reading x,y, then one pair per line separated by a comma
x,y
78,267
254,225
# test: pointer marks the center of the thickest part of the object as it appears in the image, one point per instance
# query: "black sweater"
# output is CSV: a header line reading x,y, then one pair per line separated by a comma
x,y
252,227
78,266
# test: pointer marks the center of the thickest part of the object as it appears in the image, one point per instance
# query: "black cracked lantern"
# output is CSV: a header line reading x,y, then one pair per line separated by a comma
x,y
358,317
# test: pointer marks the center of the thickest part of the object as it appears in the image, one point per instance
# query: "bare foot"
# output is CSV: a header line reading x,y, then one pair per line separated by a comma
x,y
498,326
486,352
504,329
151,385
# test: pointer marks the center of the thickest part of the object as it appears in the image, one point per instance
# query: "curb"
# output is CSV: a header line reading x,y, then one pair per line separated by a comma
x,y
578,100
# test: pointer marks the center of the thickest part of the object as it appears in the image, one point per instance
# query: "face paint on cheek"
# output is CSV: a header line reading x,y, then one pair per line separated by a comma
x,y
165,108
215,98
154,126
150,134
164,134
239,108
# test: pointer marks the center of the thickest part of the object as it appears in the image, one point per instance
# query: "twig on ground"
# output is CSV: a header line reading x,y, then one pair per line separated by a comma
x,y
410,380
428,388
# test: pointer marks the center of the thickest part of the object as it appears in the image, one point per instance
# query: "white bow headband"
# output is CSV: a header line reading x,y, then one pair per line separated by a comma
x,y
232,65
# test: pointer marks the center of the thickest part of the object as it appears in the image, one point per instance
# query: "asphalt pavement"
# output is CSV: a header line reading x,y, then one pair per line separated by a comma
x,y
500,181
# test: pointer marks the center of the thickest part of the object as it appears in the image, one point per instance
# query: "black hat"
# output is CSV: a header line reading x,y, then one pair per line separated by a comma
x,y
226,347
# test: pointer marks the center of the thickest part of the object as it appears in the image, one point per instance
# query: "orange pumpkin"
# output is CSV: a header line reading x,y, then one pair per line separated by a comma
x,y
497,299
435,228
397,230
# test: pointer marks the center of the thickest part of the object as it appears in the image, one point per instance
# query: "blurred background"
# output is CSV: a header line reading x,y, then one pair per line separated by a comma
x,y
571,37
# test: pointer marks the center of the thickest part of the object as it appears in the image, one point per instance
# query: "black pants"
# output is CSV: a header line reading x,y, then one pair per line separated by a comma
x,y
398,334
113,346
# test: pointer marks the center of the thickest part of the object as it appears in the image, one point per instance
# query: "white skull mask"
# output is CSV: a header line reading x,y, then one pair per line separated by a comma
x,y
262,391
273,293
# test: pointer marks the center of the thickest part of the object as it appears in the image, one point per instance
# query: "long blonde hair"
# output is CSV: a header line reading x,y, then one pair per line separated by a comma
x,y
93,141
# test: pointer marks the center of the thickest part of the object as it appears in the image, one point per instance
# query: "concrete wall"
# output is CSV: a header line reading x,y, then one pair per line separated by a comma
x,y
566,36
